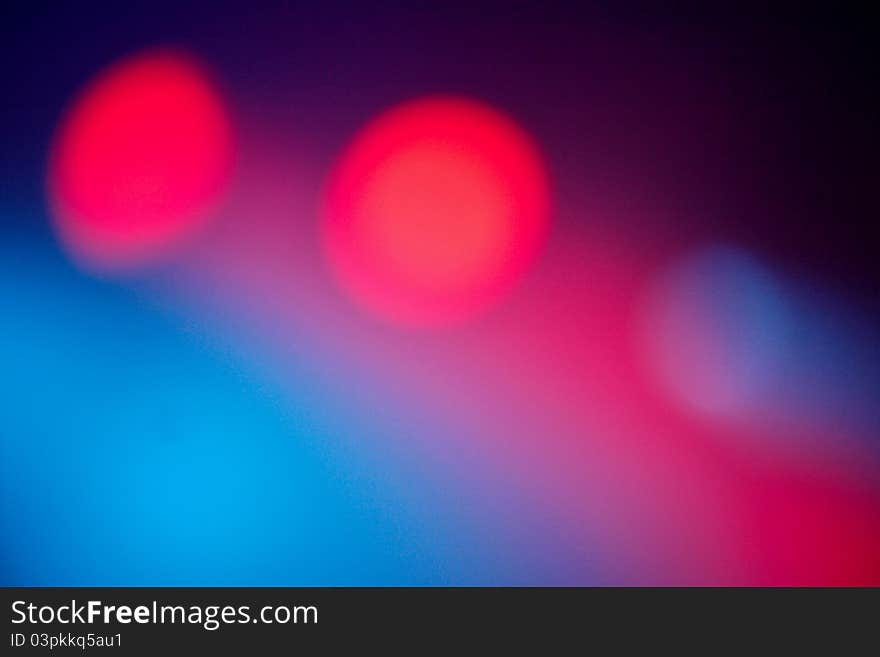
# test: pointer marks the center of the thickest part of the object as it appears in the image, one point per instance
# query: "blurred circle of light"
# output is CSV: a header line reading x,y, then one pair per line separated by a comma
x,y
715,330
139,160
435,210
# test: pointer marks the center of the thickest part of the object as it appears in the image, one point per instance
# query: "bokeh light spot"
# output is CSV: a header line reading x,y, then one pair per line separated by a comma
x,y
435,210
139,160
715,330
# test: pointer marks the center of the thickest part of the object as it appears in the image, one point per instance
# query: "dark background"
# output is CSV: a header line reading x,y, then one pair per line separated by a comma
x,y
763,119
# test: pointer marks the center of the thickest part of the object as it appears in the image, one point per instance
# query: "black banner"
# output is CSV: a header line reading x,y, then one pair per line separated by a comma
x,y
198,620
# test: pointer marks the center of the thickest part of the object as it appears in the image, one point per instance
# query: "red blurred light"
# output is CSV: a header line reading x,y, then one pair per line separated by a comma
x,y
437,207
139,160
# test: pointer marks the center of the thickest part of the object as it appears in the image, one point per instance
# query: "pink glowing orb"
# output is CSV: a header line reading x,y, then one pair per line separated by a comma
x,y
435,210
139,160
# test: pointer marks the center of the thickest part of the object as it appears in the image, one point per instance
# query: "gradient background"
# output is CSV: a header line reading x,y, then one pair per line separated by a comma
x,y
680,388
